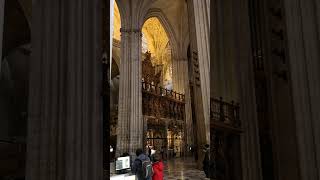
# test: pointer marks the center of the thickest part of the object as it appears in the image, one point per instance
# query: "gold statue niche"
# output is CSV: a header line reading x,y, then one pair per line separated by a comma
x,y
149,74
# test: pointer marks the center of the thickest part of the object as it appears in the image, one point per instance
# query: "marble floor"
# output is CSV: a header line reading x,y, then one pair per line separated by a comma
x,y
183,169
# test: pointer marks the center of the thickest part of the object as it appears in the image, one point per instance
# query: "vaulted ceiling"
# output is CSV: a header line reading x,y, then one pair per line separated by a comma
x,y
158,44
176,15
155,37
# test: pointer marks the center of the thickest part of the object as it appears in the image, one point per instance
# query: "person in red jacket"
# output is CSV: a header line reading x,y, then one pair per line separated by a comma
x,y
158,167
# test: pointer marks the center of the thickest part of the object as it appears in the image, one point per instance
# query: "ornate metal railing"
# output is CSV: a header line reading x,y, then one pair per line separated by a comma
x,y
224,114
225,140
161,102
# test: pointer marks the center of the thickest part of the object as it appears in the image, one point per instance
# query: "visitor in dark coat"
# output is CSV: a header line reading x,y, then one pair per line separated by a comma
x,y
206,161
137,164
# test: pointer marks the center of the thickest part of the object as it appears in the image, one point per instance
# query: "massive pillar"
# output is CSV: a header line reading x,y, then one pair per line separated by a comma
x,y
123,134
2,2
303,30
136,122
130,123
65,118
224,51
201,105
250,150
202,25
231,47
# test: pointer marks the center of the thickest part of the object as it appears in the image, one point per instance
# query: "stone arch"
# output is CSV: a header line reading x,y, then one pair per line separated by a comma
x,y
123,12
155,12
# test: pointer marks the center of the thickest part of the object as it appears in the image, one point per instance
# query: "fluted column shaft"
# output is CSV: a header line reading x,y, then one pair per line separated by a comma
x,y
203,47
130,128
179,73
303,30
230,47
136,121
65,119
123,134
202,125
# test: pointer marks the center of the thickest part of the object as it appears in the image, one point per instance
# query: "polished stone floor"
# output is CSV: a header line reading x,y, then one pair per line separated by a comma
x,y
183,169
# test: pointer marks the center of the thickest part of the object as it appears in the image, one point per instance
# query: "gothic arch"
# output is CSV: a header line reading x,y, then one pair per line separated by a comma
x,y
122,11
155,12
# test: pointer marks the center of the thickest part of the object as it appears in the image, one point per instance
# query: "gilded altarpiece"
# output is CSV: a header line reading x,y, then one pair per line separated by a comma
x,y
163,111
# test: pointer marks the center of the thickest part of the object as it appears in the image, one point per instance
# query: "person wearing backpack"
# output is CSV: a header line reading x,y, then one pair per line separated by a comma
x,y
158,167
142,166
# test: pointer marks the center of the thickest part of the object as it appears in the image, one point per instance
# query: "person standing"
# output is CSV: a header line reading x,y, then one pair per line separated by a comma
x,y
142,166
162,152
206,161
158,167
149,151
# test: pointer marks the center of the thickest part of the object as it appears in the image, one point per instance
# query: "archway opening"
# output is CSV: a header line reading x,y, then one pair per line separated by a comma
x,y
156,41
164,124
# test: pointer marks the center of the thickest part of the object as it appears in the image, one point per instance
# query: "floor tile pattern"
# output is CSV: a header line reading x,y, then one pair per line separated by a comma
x,y
183,169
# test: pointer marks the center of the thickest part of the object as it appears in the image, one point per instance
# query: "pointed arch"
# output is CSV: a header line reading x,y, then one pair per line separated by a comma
x,y
122,11
155,12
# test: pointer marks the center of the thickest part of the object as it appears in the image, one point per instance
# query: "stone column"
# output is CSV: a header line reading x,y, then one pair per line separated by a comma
x,y
124,97
130,126
136,122
224,50
303,30
181,85
250,150
200,105
2,5
188,118
65,118
200,9
179,73
231,48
